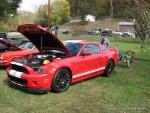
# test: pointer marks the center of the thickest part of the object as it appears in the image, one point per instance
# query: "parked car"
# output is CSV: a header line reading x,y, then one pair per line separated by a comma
x,y
117,33
65,32
106,33
5,36
8,51
96,32
93,32
58,64
128,35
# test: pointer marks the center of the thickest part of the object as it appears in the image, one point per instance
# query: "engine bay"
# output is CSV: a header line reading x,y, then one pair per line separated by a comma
x,y
36,60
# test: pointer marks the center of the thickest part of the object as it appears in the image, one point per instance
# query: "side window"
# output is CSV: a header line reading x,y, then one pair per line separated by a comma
x,y
93,48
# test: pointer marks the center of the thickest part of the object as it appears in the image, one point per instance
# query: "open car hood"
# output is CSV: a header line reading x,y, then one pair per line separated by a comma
x,y
41,38
8,44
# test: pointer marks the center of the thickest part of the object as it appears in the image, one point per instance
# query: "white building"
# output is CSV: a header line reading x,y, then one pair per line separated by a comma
x,y
127,27
90,18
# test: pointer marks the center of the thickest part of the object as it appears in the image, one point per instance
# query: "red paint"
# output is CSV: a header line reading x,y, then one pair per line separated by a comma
x,y
81,67
17,53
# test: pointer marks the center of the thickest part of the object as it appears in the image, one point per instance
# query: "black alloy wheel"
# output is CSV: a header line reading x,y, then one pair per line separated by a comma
x,y
61,81
110,68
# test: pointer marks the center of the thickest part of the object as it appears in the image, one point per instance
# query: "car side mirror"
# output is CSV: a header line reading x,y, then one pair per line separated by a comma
x,y
86,53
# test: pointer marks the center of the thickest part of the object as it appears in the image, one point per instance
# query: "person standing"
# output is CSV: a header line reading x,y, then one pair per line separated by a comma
x,y
105,41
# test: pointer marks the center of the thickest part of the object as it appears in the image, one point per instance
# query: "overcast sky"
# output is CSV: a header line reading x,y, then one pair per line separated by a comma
x,y
31,5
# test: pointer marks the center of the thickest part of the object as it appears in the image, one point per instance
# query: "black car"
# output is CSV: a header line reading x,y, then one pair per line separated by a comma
x,y
106,33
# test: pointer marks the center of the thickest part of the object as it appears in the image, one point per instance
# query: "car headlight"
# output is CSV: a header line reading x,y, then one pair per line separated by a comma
x,y
41,71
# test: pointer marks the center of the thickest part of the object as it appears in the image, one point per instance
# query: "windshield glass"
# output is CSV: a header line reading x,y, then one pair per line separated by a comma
x,y
26,45
55,53
73,47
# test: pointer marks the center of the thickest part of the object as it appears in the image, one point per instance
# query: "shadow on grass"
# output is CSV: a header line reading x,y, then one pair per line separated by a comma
x,y
3,68
40,93
97,76
122,65
6,82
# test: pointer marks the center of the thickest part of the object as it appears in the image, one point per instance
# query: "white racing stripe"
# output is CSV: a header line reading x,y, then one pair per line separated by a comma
x,y
16,63
15,73
12,72
89,72
18,74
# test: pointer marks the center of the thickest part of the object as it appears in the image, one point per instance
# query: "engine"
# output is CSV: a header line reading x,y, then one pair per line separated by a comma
x,y
36,60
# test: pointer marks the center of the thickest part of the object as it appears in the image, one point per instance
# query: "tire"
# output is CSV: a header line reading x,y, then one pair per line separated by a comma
x,y
109,68
61,81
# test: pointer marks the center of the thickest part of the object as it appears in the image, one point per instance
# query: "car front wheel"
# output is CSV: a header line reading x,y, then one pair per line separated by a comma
x,y
61,81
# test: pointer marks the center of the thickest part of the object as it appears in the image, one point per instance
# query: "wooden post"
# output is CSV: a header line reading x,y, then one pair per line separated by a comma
x,y
112,8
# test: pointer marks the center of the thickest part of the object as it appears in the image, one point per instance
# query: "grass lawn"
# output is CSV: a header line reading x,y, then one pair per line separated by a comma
x,y
124,92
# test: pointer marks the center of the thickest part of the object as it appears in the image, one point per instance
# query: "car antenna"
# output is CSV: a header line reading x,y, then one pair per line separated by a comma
x,y
41,42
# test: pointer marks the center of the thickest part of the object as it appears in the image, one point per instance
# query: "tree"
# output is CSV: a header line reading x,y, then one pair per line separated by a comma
x,y
42,16
60,13
99,8
142,19
8,7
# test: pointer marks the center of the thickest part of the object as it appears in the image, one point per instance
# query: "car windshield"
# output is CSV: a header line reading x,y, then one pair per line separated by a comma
x,y
57,53
73,47
26,45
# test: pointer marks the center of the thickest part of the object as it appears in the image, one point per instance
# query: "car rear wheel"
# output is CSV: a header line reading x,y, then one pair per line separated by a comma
x,y
109,68
61,81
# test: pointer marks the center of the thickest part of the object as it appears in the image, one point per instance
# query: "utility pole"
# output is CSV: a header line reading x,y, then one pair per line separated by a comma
x,y
49,16
11,21
111,10
19,18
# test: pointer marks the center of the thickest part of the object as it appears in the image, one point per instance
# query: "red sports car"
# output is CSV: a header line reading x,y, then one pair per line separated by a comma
x,y
8,51
58,64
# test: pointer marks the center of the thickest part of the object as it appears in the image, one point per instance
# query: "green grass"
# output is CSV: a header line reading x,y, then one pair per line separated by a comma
x,y
125,92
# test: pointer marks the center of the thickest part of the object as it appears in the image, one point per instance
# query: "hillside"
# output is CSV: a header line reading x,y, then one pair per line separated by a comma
x,y
104,24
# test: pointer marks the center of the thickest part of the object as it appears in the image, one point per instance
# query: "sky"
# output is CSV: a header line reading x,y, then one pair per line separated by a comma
x,y
31,5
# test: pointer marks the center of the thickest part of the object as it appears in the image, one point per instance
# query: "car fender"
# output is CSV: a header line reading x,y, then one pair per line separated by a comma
x,y
56,65
114,55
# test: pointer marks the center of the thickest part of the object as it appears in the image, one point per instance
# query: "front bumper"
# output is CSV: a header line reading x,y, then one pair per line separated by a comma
x,y
30,82
30,90
26,78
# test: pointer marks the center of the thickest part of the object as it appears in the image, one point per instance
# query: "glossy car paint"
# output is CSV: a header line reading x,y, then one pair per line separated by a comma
x,y
7,57
80,67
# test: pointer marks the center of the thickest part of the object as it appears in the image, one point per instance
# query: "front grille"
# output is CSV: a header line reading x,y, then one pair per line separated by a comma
x,y
18,68
18,80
